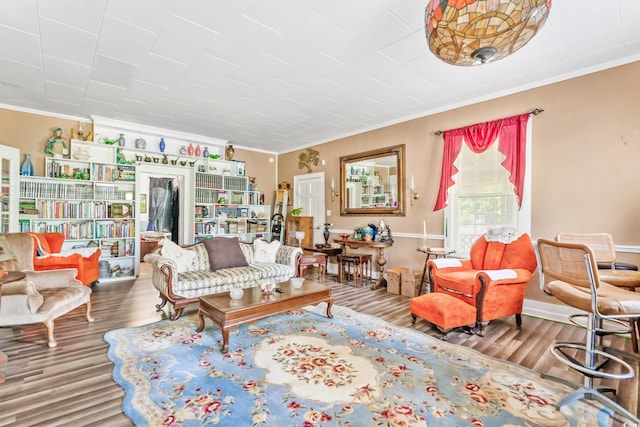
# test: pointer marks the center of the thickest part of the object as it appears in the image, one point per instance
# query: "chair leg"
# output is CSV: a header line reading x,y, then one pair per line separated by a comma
x,y
163,302
88,306
635,326
479,328
50,338
358,274
518,320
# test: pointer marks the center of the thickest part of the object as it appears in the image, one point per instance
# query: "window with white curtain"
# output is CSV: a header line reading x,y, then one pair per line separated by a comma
x,y
483,197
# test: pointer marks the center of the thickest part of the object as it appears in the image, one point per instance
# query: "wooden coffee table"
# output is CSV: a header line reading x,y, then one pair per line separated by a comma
x,y
254,305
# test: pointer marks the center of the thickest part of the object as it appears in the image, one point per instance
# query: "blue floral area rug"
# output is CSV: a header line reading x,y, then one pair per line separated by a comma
x,y
304,369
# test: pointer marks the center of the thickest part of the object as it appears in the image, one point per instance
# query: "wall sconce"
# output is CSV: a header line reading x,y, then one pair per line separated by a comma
x,y
334,193
414,194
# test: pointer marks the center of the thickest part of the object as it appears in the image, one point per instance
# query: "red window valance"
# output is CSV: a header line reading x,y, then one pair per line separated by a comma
x,y
512,135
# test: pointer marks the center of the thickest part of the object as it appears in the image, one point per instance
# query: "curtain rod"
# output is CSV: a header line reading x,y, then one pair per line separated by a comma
x,y
535,112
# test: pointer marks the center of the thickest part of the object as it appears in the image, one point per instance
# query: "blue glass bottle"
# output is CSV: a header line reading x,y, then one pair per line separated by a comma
x,y
27,167
162,145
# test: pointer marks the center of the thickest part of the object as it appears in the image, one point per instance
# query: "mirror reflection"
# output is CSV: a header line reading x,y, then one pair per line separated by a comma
x,y
371,182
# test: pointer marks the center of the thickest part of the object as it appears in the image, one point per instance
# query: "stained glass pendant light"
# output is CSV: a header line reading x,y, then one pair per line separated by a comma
x,y
472,32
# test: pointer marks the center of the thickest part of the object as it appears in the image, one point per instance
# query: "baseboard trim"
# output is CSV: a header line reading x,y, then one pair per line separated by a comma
x,y
549,311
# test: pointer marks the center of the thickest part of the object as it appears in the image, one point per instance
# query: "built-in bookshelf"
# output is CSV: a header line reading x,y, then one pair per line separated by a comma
x,y
9,178
92,203
224,206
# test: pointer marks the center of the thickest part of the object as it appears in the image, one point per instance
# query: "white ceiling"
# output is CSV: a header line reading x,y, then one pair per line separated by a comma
x,y
280,74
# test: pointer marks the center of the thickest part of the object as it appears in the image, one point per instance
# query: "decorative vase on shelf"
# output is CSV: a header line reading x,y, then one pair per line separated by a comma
x,y
190,150
121,140
183,150
162,145
205,152
229,152
27,167
198,151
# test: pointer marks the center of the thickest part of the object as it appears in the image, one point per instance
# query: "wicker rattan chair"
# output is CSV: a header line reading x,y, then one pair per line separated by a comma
x,y
568,272
605,253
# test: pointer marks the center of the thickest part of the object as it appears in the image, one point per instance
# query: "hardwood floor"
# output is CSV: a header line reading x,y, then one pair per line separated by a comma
x,y
72,385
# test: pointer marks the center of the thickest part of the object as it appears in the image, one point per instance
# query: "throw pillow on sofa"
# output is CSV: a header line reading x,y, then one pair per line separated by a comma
x,y
182,257
224,252
264,251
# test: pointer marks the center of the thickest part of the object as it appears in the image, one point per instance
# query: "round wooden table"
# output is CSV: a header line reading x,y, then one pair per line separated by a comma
x,y
11,276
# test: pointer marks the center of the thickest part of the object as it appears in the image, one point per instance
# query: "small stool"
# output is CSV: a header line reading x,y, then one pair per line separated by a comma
x,y
358,262
443,311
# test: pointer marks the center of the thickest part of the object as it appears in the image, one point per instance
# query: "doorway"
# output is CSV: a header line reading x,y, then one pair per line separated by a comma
x,y
183,179
308,194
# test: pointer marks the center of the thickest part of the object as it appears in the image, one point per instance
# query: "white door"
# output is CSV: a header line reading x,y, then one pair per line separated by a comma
x,y
308,194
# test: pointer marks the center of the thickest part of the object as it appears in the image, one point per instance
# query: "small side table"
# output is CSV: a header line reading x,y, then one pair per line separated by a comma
x,y
312,258
11,276
436,252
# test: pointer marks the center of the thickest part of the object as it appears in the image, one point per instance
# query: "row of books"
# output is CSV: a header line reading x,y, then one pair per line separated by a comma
x,y
208,181
115,210
110,173
71,230
51,190
229,227
112,193
52,209
115,229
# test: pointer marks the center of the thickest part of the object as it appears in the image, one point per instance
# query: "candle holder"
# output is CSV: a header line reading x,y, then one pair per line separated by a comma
x,y
326,234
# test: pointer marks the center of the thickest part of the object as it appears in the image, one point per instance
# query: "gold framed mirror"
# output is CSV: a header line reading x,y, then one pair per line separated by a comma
x,y
372,183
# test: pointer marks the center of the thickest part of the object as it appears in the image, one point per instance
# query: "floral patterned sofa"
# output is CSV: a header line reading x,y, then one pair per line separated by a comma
x,y
199,276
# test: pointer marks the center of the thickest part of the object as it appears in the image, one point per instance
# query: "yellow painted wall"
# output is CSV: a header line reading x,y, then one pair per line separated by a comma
x,y
30,133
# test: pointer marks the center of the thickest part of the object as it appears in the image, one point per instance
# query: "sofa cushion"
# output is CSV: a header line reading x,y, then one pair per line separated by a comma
x,y
55,242
182,257
247,250
264,251
224,252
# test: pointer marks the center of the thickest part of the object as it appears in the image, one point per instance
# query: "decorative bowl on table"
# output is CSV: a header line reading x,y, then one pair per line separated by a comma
x,y
267,287
296,282
345,235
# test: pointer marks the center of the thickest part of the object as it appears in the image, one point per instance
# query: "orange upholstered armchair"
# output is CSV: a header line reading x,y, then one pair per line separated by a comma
x,y
48,255
495,277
